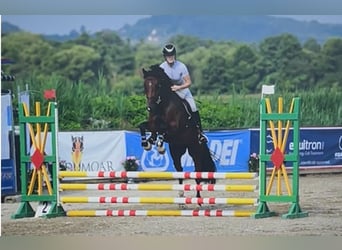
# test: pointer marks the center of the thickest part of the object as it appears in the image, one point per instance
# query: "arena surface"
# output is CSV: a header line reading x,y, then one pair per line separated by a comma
x,y
320,196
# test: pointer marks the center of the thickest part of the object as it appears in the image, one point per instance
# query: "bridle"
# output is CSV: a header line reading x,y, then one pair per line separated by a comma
x,y
152,92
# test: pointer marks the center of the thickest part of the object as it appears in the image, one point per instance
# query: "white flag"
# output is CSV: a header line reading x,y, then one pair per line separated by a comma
x,y
267,90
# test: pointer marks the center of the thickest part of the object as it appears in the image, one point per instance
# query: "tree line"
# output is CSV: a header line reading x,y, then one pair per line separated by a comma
x,y
98,77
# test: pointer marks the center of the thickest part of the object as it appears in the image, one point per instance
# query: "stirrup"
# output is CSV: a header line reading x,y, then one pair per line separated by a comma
x,y
202,138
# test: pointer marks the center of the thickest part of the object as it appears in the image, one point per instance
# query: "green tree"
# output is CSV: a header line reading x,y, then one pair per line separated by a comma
x,y
30,53
215,78
244,69
332,61
312,45
117,55
216,71
281,61
77,63
146,55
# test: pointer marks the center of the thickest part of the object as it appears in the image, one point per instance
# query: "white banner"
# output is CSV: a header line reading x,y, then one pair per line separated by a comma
x,y
89,151
92,151
24,97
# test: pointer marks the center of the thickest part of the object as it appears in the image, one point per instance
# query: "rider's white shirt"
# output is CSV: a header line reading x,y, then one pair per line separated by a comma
x,y
176,72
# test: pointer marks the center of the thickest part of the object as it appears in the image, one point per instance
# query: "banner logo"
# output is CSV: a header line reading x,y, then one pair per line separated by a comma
x,y
226,151
338,155
76,151
269,140
153,161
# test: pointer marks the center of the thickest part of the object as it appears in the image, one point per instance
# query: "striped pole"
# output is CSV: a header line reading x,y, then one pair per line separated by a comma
x,y
160,200
157,187
158,175
192,213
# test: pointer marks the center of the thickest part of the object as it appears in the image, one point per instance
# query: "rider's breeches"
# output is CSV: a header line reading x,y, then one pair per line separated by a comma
x,y
189,98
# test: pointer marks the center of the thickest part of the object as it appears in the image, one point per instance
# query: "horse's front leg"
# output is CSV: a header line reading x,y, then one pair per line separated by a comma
x,y
146,144
152,138
198,194
160,144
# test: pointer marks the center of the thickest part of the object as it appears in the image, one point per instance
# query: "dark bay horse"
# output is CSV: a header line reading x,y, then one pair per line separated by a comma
x,y
169,120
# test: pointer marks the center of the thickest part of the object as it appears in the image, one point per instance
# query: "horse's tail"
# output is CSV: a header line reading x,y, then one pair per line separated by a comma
x,y
213,155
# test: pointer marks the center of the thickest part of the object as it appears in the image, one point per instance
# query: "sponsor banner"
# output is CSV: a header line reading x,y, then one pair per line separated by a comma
x,y
317,146
6,125
8,177
90,151
230,150
106,150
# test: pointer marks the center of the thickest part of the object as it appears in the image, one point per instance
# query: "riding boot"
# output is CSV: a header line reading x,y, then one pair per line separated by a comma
x,y
197,121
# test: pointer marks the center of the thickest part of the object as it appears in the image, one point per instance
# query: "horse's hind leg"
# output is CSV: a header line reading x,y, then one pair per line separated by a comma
x,y
142,128
180,192
198,194
176,154
181,195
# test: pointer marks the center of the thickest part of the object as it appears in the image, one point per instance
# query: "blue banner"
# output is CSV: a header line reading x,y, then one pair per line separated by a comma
x,y
8,177
317,146
230,151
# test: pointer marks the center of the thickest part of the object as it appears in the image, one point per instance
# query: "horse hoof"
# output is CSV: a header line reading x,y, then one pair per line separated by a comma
x,y
159,144
182,206
148,147
161,150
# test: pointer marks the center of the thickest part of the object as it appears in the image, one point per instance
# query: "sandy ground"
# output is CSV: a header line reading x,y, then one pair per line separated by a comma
x,y
320,196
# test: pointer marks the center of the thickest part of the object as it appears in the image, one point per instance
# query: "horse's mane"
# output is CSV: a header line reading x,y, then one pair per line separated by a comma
x,y
157,72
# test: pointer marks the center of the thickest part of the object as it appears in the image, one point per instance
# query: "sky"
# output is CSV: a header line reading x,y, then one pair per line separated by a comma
x,y
63,24
158,7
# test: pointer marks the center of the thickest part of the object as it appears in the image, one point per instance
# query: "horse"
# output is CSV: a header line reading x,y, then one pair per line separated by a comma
x,y
169,120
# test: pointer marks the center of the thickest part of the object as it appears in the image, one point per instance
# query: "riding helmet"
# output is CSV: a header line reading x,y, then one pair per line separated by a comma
x,y
169,50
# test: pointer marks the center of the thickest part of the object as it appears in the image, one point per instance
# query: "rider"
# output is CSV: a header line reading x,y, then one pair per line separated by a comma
x,y
179,74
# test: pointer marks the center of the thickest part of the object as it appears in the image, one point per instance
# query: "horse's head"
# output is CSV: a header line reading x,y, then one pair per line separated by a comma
x,y
156,85
77,143
152,92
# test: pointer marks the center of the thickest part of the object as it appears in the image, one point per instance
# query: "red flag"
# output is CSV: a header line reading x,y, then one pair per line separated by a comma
x,y
50,94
